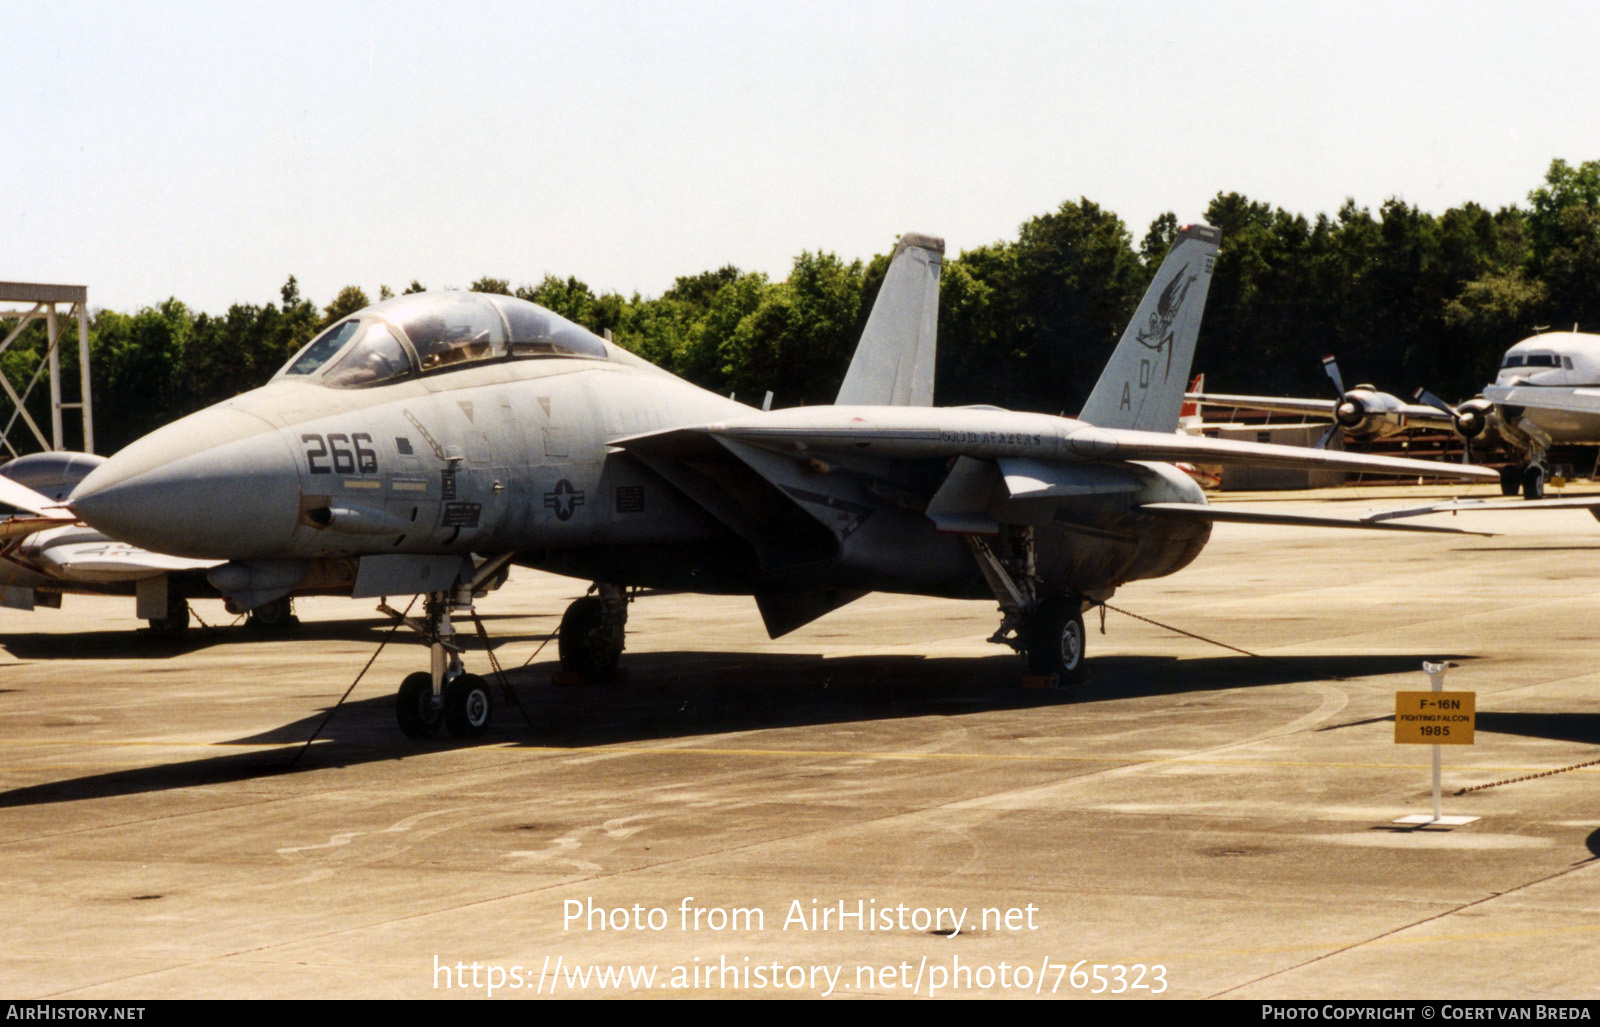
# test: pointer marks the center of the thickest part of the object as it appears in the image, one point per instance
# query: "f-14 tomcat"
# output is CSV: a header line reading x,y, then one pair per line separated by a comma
x,y
431,427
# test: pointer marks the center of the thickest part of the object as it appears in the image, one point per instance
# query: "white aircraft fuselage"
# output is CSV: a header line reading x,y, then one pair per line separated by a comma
x,y
1548,386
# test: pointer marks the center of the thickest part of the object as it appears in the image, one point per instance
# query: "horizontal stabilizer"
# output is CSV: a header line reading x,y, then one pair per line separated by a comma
x,y
1209,514
1590,503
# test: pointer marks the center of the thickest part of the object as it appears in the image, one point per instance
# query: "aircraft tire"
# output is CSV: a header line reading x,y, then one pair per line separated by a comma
x,y
1533,482
1510,480
274,616
468,706
1057,641
177,619
413,707
583,643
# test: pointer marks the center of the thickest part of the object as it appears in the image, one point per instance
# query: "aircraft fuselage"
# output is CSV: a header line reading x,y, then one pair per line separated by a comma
x,y
513,456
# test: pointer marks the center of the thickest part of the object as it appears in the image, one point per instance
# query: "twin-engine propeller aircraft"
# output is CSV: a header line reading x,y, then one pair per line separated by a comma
x,y
1363,412
434,426
1546,393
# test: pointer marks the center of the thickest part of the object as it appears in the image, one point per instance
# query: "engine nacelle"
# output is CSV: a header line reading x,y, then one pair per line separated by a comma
x,y
1365,413
1474,419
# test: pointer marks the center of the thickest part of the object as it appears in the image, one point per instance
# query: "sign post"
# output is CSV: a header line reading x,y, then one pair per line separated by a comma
x,y
1436,718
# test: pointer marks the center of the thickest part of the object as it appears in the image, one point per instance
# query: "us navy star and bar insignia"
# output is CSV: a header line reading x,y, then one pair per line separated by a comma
x,y
563,499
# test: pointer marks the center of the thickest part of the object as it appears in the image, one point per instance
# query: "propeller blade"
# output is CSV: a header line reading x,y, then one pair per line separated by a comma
x,y
1331,365
1327,436
1424,396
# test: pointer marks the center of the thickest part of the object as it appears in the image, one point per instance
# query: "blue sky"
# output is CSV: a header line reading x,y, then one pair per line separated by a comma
x,y
207,151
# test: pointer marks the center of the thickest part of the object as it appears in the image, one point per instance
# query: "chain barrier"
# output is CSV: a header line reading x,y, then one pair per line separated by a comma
x,y
1525,777
335,707
499,672
1202,638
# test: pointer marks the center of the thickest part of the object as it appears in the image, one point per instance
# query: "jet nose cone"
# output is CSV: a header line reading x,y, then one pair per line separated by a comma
x,y
234,500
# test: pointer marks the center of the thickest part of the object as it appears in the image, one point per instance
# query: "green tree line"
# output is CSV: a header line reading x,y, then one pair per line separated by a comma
x,y
1403,297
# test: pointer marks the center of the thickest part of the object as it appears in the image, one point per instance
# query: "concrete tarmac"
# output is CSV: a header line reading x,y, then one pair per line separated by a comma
x,y
1210,814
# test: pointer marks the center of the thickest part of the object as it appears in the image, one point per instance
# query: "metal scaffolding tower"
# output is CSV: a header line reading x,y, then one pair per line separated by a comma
x,y
44,299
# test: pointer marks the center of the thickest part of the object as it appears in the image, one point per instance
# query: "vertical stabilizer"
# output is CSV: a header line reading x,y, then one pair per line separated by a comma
x,y
1142,385
893,364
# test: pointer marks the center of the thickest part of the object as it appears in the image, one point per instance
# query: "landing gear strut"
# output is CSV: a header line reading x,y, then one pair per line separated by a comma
x,y
1048,629
445,695
592,633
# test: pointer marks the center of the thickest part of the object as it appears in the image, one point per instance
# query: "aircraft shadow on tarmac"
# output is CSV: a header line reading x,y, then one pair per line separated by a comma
x,y
1590,548
1583,728
144,644
1560,727
674,695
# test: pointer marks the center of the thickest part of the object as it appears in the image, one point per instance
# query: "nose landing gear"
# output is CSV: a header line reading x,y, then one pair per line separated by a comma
x,y
445,695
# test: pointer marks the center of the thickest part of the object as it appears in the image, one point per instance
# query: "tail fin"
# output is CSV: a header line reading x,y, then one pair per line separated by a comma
x,y
893,365
1142,385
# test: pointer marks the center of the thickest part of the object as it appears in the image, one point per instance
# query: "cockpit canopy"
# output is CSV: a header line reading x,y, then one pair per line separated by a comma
x,y
434,331
1526,359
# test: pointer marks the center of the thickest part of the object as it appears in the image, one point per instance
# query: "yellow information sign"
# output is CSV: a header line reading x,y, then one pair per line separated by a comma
x,y
1435,718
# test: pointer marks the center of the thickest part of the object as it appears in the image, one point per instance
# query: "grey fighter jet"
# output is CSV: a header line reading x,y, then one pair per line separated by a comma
x,y
432,427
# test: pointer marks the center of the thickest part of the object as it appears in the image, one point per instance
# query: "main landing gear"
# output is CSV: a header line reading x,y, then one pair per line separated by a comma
x,y
1525,478
1048,629
445,695
592,633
